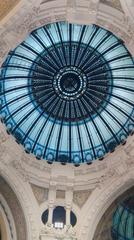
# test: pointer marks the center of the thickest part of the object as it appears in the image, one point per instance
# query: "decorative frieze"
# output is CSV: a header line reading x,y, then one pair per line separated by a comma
x,y
50,233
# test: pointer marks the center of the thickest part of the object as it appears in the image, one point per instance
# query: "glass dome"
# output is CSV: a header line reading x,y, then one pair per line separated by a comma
x,y
123,221
67,93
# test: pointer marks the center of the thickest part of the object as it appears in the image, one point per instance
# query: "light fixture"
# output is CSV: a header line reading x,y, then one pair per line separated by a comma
x,y
59,225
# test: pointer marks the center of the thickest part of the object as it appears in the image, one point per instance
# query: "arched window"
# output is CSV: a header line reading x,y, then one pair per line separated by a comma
x,y
59,217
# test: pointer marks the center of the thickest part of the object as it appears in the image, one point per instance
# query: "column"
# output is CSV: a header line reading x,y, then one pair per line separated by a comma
x,y
68,211
50,215
69,201
51,202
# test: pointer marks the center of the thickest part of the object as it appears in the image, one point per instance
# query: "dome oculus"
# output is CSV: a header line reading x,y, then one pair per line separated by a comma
x,y
67,92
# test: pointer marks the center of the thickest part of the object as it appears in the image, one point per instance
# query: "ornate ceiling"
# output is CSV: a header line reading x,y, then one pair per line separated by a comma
x,y
104,179
64,96
32,14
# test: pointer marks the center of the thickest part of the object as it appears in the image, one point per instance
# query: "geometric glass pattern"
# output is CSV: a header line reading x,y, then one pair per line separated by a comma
x,y
67,93
123,221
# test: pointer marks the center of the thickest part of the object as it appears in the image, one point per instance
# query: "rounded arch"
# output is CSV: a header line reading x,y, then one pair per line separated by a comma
x,y
104,227
128,8
100,200
59,202
7,224
4,233
22,194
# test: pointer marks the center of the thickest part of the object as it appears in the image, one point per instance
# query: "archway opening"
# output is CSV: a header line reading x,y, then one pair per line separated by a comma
x,y
104,228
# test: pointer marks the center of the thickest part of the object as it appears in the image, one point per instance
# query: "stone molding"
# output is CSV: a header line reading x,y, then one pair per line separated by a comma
x,y
24,195
32,15
8,219
128,8
86,177
100,200
49,232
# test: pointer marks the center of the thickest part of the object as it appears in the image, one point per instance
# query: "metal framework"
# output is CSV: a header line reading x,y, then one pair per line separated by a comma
x,y
123,221
66,93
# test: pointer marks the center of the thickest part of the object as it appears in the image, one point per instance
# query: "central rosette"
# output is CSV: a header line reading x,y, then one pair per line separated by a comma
x,y
73,88
70,83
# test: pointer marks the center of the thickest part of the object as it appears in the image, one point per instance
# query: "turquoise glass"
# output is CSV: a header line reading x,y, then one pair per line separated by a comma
x,y
67,93
123,221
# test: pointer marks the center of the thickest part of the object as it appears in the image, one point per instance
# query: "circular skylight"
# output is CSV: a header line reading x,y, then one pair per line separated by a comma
x,y
67,93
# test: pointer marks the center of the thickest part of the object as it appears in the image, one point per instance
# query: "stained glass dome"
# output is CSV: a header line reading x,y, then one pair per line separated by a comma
x,y
67,93
123,221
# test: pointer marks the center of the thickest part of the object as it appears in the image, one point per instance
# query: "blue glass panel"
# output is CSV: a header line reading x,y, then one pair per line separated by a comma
x,y
67,92
123,221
